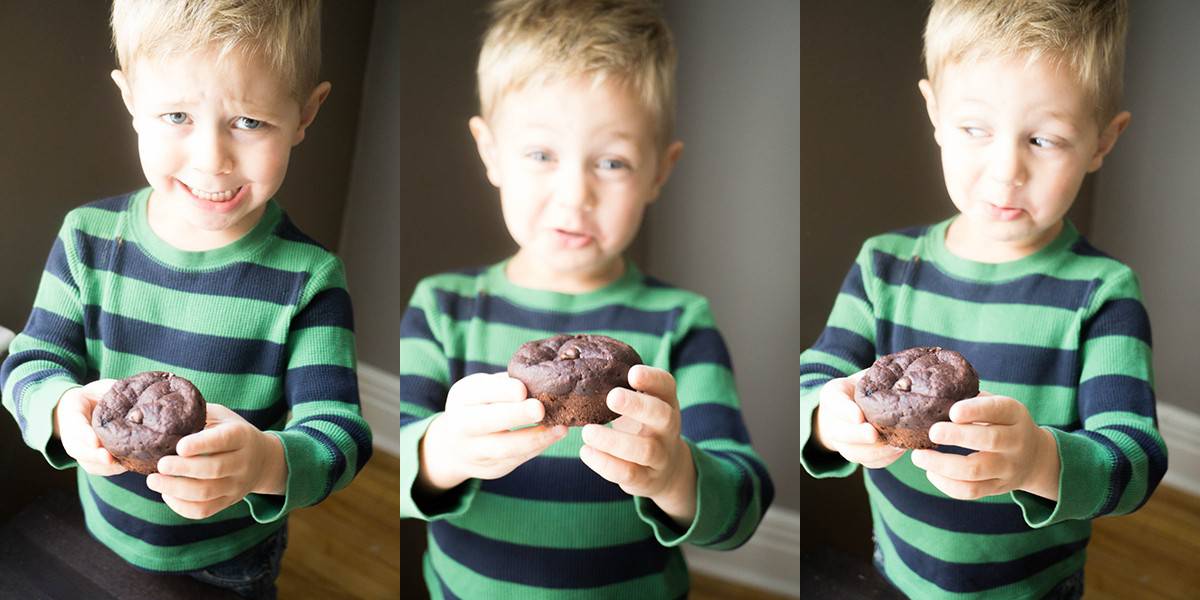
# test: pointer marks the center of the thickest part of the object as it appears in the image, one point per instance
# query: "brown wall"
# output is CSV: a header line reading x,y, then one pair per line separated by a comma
x,y
65,139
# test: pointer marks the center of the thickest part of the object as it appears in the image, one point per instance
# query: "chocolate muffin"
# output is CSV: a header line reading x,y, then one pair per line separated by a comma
x,y
572,374
142,417
903,394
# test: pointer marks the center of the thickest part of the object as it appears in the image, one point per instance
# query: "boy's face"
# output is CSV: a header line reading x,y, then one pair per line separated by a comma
x,y
214,138
576,166
1016,142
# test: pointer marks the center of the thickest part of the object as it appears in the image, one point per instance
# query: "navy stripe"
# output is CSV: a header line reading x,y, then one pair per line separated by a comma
x,y
558,568
57,265
19,393
1036,289
823,369
135,483
495,309
321,382
54,329
407,419
358,432
329,308
1122,471
263,418
1115,392
414,325
654,282
196,351
336,455
1010,363
166,535
1156,464
117,203
1119,317
423,391
459,368
1083,247
702,345
573,482
948,513
979,577
766,486
288,231
235,280
915,231
852,285
745,493
25,357
471,271
846,345
710,421
446,593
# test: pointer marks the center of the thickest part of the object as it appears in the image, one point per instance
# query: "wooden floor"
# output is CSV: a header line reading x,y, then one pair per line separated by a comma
x,y
1153,553
349,545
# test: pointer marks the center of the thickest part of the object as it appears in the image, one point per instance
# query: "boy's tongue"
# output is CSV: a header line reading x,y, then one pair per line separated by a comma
x,y
572,239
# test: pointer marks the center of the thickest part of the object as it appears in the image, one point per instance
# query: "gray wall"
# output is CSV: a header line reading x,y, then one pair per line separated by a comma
x,y
727,224
66,139
370,243
1147,204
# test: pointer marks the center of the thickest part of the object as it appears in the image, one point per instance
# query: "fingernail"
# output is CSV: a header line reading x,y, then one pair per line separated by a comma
x,y
533,408
616,400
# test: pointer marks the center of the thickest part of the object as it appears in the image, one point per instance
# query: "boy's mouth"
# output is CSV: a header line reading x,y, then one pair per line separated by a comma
x,y
214,196
216,201
1003,213
572,239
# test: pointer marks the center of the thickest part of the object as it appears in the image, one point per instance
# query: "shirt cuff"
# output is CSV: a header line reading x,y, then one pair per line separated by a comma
x,y
413,504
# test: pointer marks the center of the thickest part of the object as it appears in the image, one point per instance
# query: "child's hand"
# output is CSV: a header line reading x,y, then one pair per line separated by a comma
x,y
643,452
840,426
473,438
73,425
218,466
1013,452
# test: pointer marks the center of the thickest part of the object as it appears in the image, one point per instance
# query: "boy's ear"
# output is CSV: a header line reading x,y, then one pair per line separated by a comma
x,y
485,143
665,166
1108,139
308,112
122,82
930,107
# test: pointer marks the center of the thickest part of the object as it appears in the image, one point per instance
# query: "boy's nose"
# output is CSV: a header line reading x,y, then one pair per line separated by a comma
x,y
573,189
1007,165
209,154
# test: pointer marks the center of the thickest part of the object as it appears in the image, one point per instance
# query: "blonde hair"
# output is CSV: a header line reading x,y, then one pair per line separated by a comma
x,y
286,34
1086,37
534,42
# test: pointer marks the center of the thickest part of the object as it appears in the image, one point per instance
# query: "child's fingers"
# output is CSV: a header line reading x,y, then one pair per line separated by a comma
x,y
483,419
965,490
837,398
186,488
621,472
225,437
645,451
654,382
644,408
859,434
978,466
197,510
522,443
1000,410
989,438
874,457
487,388
211,466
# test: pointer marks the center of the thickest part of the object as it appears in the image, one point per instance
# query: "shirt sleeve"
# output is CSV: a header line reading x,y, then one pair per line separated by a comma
x,y
424,386
48,357
326,441
733,488
1115,457
846,346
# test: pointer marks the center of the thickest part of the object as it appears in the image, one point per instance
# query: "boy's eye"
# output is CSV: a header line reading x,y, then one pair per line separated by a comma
x,y
974,131
612,164
1042,142
248,123
175,118
538,156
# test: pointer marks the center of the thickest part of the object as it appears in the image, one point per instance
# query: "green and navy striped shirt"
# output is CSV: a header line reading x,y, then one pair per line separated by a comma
x,y
262,326
553,528
1064,332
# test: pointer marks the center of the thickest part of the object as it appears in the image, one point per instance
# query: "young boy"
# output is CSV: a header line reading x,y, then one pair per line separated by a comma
x,y
203,275
1024,100
575,126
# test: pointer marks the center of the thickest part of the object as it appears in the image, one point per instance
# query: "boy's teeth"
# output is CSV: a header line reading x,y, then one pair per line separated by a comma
x,y
222,196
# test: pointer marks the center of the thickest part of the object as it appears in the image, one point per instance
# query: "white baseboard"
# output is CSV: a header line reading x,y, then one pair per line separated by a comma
x,y
379,393
1180,428
769,561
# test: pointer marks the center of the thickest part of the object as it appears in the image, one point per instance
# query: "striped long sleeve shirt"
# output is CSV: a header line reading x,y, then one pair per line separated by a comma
x,y
1064,332
553,528
262,326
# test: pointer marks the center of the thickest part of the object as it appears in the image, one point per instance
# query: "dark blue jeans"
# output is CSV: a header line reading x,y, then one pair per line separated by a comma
x,y
252,573
1070,588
